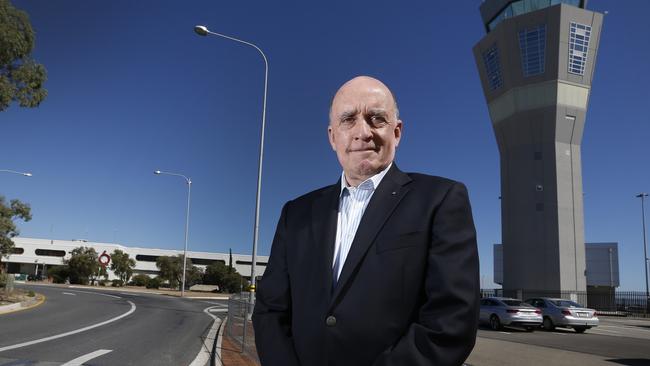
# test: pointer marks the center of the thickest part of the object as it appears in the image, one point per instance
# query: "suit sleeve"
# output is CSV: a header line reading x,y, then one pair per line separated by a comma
x,y
445,330
272,314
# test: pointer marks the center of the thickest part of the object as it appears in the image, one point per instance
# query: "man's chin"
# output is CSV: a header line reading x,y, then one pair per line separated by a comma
x,y
368,168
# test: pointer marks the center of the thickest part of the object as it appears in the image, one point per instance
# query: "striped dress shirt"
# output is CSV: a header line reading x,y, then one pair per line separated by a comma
x,y
352,204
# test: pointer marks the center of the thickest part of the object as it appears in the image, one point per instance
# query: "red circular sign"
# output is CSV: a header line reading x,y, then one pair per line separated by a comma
x,y
104,259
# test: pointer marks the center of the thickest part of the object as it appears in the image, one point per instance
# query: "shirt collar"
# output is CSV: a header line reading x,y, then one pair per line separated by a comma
x,y
371,183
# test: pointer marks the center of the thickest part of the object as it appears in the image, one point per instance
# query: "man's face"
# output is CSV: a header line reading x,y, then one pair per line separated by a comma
x,y
364,129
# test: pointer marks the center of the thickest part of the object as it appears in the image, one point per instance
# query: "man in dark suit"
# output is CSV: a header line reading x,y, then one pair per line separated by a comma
x,y
380,268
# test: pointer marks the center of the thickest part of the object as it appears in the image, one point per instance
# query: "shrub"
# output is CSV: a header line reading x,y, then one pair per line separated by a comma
x,y
117,283
58,273
31,293
140,280
102,282
154,282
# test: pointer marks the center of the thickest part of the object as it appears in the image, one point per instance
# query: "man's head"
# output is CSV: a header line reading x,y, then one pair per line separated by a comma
x,y
364,128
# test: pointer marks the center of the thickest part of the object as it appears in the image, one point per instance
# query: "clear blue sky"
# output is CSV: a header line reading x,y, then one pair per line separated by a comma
x,y
133,89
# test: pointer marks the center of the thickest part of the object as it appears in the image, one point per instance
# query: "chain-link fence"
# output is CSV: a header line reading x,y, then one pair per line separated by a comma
x,y
239,326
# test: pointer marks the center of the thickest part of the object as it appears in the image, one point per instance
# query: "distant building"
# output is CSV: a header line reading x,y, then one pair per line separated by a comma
x,y
536,65
33,257
601,270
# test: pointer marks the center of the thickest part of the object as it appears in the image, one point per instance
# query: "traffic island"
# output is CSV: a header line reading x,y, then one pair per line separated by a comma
x,y
19,299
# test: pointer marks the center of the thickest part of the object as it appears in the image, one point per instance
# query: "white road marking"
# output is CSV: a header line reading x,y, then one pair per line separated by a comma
x,y
85,358
98,293
69,293
216,303
218,310
129,294
505,333
204,354
56,336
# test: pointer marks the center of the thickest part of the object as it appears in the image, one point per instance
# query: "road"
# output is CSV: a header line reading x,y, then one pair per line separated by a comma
x,y
613,342
107,327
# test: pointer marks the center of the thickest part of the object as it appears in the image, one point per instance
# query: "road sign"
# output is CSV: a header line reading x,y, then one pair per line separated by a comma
x,y
104,259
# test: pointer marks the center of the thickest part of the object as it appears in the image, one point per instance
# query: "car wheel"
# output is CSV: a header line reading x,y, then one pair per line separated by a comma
x,y
530,328
548,324
580,329
495,323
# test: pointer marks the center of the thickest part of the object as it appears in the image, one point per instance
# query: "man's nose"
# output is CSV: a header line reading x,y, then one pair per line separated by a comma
x,y
362,130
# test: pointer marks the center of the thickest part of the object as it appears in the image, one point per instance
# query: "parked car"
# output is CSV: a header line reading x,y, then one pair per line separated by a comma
x,y
564,313
500,311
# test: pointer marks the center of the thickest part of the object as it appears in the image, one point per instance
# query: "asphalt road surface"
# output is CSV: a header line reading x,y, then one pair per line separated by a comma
x,y
613,342
95,327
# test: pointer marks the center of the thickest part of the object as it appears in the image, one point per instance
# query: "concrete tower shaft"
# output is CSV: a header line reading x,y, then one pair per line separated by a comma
x,y
536,65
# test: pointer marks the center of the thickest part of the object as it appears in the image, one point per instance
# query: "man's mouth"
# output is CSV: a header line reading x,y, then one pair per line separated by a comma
x,y
363,150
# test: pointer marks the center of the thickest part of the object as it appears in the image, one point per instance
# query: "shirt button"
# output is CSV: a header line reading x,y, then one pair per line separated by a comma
x,y
330,321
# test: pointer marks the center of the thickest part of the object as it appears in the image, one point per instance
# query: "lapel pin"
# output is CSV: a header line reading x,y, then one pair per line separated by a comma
x,y
393,193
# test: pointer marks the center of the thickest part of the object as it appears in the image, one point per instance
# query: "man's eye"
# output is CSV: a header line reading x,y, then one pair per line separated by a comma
x,y
378,120
347,121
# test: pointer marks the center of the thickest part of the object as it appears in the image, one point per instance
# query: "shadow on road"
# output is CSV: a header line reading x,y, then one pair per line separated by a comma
x,y
631,361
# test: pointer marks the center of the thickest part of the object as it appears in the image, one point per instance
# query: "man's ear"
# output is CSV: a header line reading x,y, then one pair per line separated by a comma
x,y
330,135
398,132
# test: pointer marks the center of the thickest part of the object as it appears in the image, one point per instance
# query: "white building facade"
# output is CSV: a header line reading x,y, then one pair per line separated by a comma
x,y
32,256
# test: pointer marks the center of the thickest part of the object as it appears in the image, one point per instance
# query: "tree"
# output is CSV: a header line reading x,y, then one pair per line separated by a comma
x,y
58,273
171,270
215,274
122,265
21,78
82,265
226,278
8,215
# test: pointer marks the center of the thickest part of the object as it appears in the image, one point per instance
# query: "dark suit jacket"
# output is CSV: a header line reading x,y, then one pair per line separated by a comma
x,y
408,292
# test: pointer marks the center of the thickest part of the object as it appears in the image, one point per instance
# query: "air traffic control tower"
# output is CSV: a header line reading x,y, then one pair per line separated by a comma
x,y
536,64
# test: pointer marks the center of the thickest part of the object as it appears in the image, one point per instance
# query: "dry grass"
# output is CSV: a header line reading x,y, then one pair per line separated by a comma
x,y
17,295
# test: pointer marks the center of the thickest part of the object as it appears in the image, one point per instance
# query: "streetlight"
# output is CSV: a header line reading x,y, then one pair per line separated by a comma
x,y
15,172
203,31
645,250
187,220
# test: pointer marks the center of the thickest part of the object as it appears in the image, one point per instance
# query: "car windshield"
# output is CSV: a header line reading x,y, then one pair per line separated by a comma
x,y
566,304
515,303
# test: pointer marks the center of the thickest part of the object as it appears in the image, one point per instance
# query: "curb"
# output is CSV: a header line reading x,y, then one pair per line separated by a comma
x,y
217,351
7,309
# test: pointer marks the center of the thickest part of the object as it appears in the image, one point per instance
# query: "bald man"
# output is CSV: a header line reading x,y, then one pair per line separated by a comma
x,y
380,268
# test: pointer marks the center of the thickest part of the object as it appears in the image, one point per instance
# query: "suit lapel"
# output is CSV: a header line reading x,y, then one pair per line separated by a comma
x,y
387,196
324,216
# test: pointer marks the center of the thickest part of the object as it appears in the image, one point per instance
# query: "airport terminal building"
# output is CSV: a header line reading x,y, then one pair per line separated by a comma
x,y
32,256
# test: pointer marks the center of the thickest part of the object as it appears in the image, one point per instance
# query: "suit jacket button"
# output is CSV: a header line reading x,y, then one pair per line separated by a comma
x,y
330,321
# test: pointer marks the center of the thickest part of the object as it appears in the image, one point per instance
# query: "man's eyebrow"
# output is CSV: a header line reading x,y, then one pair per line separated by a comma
x,y
378,112
347,114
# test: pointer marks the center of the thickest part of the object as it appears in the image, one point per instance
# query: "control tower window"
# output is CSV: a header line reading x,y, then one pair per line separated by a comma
x,y
579,35
492,67
519,7
532,45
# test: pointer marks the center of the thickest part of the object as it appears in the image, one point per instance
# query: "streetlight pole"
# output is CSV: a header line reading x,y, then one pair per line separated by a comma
x,y
15,172
645,250
187,221
203,31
